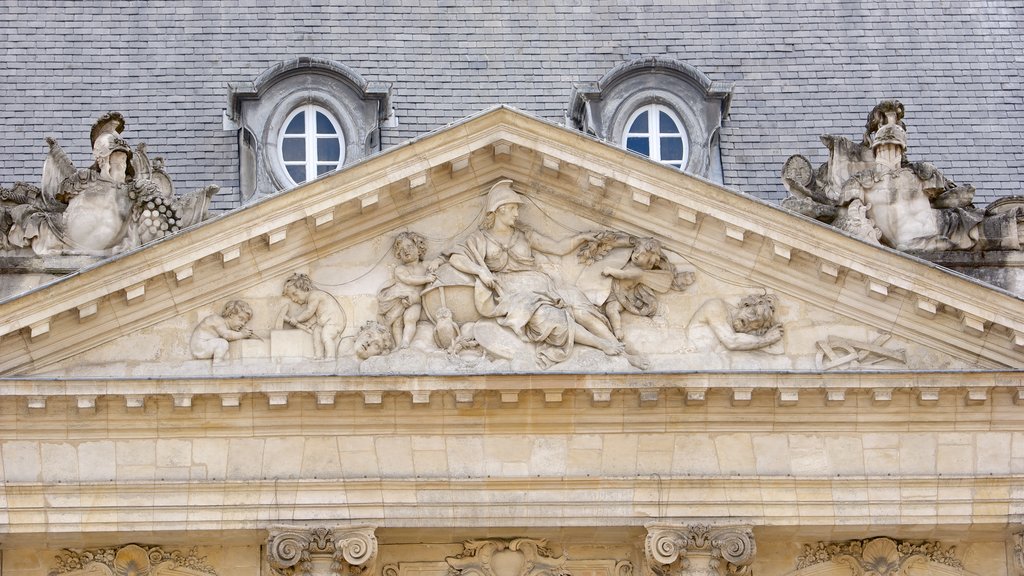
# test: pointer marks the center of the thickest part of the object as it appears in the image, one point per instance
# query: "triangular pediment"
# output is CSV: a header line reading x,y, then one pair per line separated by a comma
x,y
836,303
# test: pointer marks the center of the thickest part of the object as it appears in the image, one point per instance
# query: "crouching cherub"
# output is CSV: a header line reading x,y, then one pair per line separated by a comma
x,y
398,302
320,315
635,286
212,335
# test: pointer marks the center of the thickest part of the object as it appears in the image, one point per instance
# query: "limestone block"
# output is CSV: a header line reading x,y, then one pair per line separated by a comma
x,y
954,459
96,461
211,456
291,344
845,455
619,454
282,457
320,458
465,456
245,459
807,454
252,347
771,454
394,455
173,453
548,456
136,452
694,454
21,461
992,453
735,453
59,462
917,453
654,454
430,463
358,457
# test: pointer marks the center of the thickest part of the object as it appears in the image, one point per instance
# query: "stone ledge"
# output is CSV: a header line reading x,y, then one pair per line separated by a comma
x,y
789,388
780,502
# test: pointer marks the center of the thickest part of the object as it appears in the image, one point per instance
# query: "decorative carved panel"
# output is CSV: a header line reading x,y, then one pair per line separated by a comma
x,y
880,556
131,560
500,557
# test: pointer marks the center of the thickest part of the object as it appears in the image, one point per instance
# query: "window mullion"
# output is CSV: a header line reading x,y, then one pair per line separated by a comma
x,y
654,131
310,142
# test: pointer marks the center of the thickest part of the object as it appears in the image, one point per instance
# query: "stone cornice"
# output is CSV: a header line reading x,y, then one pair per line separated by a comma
x,y
788,388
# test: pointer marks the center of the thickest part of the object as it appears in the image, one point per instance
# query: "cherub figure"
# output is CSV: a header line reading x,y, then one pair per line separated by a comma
x,y
398,302
373,339
635,286
211,336
321,315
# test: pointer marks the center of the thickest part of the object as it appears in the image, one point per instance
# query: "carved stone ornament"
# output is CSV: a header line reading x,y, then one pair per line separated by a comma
x,y
870,190
321,551
499,557
843,353
131,560
122,201
750,325
1018,553
699,550
878,556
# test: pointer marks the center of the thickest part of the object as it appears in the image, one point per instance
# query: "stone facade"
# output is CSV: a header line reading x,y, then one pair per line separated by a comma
x,y
506,347
239,397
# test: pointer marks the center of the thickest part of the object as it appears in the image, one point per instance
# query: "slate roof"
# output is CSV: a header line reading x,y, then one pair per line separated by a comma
x,y
799,69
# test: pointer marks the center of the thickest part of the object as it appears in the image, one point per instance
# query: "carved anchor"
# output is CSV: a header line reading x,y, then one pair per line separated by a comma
x,y
836,352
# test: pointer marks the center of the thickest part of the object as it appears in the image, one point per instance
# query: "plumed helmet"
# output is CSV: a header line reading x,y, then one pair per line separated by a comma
x,y
890,134
502,193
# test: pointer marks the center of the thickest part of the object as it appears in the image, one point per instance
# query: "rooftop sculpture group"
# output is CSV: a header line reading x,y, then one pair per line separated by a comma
x,y
121,201
872,191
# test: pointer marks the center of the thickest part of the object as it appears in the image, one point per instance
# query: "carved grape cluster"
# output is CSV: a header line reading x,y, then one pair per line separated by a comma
x,y
155,215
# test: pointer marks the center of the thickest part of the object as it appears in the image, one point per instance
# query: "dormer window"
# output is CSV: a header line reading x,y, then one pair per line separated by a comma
x,y
301,119
311,143
655,131
659,107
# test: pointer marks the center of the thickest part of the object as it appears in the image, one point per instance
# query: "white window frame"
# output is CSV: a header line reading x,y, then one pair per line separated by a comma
x,y
654,134
310,137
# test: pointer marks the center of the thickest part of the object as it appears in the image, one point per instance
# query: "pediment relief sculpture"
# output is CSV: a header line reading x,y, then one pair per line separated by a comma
x,y
322,551
131,560
122,201
881,557
870,189
507,557
503,283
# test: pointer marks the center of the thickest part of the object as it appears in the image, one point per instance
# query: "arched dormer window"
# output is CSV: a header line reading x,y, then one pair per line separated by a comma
x,y
302,119
311,143
680,94
655,131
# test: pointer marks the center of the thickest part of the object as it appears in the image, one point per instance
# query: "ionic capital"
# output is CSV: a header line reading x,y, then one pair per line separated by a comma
x,y
321,551
699,550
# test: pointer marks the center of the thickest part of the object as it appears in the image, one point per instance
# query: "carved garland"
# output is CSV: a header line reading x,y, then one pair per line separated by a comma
x,y
535,558
291,550
878,556
131,560
730,549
